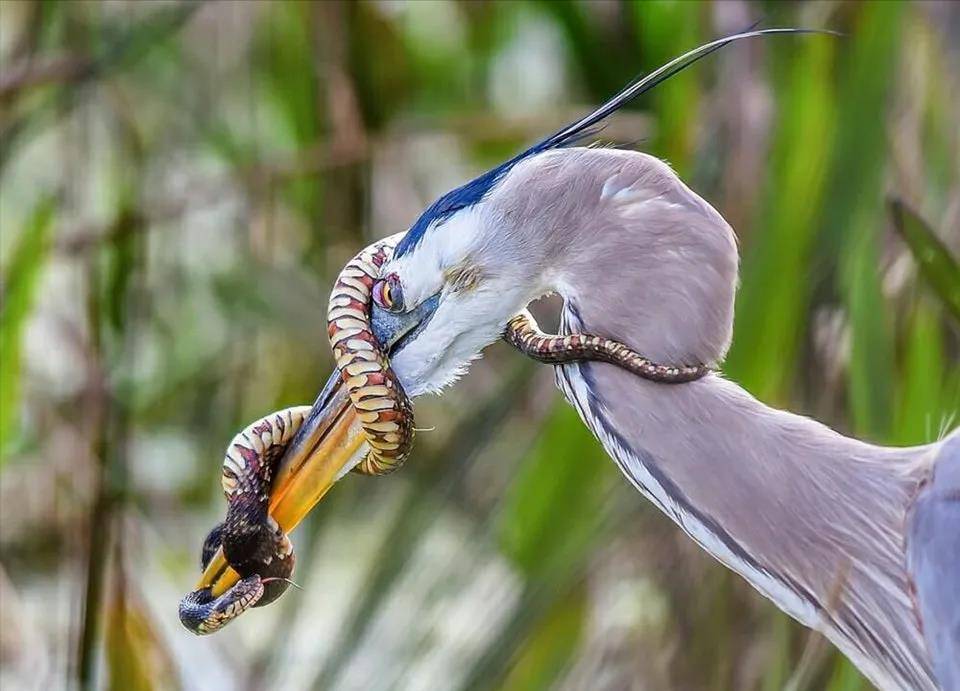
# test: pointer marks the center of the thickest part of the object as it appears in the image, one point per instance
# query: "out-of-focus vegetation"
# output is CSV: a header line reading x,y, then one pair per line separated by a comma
x,y
180,182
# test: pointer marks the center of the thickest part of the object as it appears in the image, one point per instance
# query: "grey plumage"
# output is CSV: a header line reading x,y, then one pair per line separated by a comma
x,y
933,550
814,520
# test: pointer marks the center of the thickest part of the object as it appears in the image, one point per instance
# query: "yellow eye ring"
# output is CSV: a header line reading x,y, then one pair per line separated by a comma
x,y
388,294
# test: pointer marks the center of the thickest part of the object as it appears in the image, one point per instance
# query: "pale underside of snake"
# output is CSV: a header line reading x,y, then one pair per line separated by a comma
x,y
253,543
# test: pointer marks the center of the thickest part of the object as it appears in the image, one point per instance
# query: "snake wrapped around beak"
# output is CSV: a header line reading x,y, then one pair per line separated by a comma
x,y
381,404
250,540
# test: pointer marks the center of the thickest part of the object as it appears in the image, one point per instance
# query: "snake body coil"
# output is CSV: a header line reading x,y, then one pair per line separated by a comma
x,y
381,404
253,543
524,334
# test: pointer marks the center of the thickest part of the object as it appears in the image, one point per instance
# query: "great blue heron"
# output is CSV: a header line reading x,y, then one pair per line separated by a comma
x,y
858,541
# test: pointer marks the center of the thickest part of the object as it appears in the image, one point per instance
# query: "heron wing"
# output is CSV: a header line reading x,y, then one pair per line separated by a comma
x,y
934,561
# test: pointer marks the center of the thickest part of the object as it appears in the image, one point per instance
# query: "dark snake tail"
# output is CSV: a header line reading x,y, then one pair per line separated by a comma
x,y
524,334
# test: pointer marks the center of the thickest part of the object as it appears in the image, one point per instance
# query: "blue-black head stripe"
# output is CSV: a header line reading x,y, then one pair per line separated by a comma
x,y
454,200
475,190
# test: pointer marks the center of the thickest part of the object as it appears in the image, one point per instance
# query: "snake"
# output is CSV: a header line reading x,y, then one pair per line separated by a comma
x,y
382,406
253,544
524,334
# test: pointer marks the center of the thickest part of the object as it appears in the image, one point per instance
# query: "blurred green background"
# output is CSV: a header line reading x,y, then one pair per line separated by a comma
x,y
180,182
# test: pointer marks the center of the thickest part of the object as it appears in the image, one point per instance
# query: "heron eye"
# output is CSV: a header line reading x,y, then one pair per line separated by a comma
x,y
388,294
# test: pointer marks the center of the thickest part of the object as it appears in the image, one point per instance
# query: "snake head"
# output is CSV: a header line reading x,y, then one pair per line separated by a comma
x,y
267,564
202,613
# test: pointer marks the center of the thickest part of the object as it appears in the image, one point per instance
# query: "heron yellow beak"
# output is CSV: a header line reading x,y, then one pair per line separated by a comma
x,y
328,445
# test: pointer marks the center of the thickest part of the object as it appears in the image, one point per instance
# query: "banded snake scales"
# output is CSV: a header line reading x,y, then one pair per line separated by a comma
x,y
253,543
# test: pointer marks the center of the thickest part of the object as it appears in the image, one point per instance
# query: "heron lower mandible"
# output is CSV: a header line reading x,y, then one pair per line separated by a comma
x,y
858,541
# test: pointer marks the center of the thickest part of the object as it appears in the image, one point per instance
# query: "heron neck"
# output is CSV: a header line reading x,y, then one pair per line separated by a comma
x,y
805,514
651,263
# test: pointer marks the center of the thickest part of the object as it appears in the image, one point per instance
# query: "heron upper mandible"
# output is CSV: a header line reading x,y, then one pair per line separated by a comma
x,y
858,541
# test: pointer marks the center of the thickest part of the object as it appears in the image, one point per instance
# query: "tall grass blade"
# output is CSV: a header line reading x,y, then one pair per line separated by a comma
x,y
774,298
937,266
19,288
549,522
854,217
137,659
550,646
550,512
666,29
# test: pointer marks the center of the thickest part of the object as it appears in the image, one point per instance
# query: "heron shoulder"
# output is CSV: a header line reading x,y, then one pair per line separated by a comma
x,y
933,552
590,166
649,262
598,189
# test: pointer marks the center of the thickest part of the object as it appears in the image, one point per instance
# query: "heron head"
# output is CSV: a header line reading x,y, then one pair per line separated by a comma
x,y
447,294
637,256
484,250
469,263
